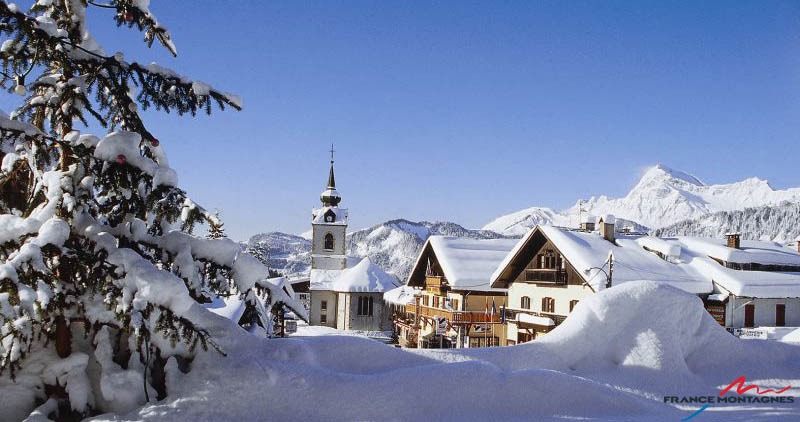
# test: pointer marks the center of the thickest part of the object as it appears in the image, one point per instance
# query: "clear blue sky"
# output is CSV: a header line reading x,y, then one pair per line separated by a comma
x,y
464,111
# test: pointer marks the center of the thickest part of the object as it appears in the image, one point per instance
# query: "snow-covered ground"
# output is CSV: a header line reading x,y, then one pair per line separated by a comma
x,y
615,358
305,330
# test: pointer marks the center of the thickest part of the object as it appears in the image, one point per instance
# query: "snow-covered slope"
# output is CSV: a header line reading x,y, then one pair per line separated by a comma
x,y
392,245
518,223
615,358
662,196
286,253
780,223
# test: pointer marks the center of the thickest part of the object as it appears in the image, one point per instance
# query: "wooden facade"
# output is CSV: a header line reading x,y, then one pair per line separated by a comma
x,y
443,317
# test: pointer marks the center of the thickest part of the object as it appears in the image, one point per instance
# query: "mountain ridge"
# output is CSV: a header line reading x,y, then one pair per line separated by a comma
x,y
662,196
664,201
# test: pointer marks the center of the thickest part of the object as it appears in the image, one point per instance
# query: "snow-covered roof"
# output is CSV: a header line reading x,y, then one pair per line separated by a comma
x,y
688,265
231,307
467,263
402,295
362,277
631,260
331,192
588,252
766,253
322,279
318,215
671,250
608,219
762,284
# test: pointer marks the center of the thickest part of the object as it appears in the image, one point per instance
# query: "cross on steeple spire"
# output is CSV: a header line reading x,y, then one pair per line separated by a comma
x,y
331,179
330,197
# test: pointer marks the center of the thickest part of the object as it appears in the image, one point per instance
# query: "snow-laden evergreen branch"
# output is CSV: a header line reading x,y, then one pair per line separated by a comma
x,y
95,235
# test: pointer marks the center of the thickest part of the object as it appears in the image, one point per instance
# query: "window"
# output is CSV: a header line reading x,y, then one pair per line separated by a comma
x,y
780,315
549,260
323,319
364,306
572,304
323,305
525,303
548,305
425,300
524,337
454,304
749,315
436,301
329,242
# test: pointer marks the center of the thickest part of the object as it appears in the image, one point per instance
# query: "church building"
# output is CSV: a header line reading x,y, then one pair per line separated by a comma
x,y
345,294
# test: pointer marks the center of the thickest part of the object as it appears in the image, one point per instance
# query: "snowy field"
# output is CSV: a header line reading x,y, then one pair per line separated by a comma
x,y
615,358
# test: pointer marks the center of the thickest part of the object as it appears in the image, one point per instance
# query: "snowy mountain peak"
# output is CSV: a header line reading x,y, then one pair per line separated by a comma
x,y
661,197
662,173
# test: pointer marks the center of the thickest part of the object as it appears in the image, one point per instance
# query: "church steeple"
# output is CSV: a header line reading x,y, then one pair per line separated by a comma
x,y
331,179
330,197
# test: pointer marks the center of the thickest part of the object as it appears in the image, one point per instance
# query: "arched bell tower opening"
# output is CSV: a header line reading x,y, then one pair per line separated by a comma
x,y
329,242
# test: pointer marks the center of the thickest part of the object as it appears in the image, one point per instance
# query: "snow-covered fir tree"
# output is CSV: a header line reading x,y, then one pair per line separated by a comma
x,y
97,263
776,223
216,228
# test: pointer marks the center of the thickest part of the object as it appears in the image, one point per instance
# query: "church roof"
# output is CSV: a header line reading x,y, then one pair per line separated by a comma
x,y
363,277
339,214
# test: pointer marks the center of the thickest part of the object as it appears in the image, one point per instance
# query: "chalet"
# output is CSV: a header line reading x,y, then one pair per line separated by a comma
x,y
447,301
756,283
551,269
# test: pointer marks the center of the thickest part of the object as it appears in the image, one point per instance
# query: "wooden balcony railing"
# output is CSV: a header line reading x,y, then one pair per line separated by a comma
x,y
456,317
549,276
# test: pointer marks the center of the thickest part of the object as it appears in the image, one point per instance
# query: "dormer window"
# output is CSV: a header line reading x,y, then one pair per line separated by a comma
x,y
328,242
330,216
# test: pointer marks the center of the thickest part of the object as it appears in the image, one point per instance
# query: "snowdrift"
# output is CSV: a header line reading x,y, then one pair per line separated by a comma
x,y
615,358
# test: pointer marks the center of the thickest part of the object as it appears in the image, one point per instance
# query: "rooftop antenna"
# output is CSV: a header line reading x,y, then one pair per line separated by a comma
x,y
580,212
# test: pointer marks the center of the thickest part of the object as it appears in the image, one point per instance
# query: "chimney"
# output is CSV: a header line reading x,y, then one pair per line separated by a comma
x,y
607,227
734,240
588,223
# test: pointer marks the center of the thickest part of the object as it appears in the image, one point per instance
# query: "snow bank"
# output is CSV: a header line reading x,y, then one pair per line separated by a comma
x,y
614,358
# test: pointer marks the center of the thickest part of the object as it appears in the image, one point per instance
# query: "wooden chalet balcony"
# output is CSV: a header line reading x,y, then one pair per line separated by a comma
x,y
455,317
436,284
546,275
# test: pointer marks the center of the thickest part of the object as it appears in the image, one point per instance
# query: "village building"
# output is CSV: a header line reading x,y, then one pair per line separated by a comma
x,y
447,300
742,283
344,294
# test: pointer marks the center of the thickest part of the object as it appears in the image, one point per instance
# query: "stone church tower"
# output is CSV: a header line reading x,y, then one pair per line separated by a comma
x,y
328,227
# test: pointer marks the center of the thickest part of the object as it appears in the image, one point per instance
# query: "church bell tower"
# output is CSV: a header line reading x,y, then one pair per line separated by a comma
x,y
328,227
